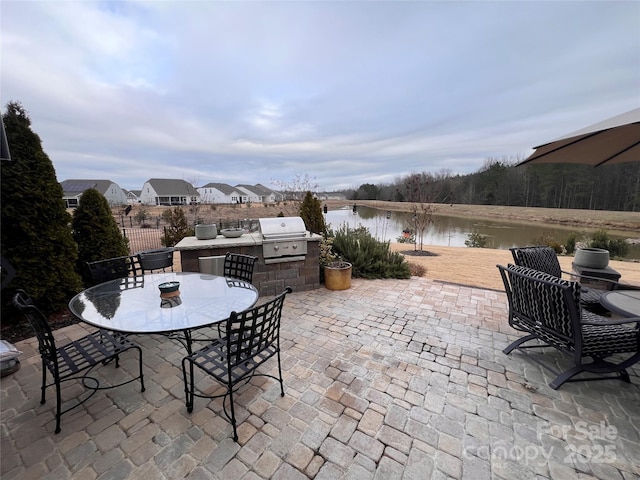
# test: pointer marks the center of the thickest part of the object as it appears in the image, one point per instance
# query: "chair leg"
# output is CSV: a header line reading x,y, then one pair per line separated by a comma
x,y
280,376
44,383
58,405
188,384
517,343
233,412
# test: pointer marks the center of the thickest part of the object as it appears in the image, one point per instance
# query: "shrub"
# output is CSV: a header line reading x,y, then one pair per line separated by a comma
x,y
548,240
369,257
96,232
311,213
141,215
600,239
177,229
476,240
417,269
36,233
570,243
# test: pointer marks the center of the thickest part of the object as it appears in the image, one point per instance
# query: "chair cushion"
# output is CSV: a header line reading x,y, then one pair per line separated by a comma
x,y
545,307
603,340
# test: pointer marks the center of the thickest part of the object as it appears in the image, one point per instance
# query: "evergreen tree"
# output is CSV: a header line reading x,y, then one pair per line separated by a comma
x,y
311,213
36,237
96,232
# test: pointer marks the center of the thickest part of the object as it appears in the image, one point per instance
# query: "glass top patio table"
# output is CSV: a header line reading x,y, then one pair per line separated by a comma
x,y
622,302
134,305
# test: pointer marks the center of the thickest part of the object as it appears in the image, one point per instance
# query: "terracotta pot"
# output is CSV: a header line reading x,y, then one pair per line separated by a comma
x,y
591,257
337,276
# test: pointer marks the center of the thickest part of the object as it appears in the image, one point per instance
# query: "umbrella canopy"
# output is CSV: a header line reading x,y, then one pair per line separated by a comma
x,y
614,140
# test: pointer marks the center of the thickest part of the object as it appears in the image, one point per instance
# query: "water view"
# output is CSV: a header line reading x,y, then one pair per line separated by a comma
x,y
453,231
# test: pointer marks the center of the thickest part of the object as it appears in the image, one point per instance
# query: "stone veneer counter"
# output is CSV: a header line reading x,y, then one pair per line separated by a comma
x,y
270,279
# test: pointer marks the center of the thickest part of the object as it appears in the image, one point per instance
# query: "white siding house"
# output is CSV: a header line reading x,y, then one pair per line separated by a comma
x,y
220,193
74,188
168,192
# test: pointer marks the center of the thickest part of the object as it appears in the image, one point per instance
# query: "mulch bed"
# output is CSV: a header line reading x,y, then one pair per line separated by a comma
x,y
419,253
12,332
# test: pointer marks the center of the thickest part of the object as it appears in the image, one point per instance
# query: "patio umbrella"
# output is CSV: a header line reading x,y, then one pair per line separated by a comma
x,y
614,140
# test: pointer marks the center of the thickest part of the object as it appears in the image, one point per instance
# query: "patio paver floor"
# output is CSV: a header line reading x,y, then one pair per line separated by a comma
x,y
389,379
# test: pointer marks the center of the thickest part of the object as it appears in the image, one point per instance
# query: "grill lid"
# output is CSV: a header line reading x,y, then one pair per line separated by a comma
x,y
282,228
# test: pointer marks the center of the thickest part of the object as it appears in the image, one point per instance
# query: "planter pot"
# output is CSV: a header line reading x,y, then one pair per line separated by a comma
x,y
337,276
206,232
591,257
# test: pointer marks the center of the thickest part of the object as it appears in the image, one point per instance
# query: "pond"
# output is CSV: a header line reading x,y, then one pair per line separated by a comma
x,y
453,231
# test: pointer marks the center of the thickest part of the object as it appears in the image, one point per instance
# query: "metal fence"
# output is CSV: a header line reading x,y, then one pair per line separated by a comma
x,y
141,239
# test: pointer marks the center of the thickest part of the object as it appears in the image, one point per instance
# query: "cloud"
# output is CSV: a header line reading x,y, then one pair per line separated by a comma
x,y
347,92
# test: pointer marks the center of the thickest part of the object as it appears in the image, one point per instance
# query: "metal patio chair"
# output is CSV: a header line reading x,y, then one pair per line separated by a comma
x,y
239,266
113,268
545,259
156,260
77,359
549,310
251,338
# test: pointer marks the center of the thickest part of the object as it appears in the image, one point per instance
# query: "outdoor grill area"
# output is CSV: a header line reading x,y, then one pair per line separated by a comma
x,y
287,254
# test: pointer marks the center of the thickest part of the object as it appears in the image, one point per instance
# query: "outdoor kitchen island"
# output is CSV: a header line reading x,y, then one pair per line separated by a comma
x,y
272,274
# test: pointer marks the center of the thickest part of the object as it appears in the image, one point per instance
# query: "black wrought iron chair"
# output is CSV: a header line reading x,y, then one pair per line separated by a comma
x,y
237,265
156,260
251,338
548,309
113,268
75,360
545,259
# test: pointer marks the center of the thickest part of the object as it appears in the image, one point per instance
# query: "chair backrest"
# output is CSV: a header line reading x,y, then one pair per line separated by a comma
x,y
249,334
239,266
46,341
544,305
156,259
113,268
541,258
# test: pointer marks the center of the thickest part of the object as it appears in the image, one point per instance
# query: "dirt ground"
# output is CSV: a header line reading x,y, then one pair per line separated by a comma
x,y
477,266
462,265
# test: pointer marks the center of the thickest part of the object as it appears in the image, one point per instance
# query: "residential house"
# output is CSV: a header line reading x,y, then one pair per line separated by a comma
x,y
258,194
133,196
168,192
74,188
220,193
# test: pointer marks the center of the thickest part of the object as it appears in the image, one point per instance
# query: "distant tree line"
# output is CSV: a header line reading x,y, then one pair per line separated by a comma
x,y
500,182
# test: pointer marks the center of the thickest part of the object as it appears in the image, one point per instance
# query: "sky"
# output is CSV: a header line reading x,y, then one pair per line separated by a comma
x,y
344,93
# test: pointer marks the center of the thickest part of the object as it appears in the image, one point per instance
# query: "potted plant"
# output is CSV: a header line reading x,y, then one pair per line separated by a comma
x,y
335,272
337,275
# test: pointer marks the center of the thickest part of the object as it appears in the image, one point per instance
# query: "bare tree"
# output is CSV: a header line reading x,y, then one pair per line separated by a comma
x,y
293,192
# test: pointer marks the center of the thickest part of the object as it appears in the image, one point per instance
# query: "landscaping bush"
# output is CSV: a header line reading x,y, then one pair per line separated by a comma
x,y
476,240
177,229
600,239
36,232
369,257
96,232
548,240
311,213
570,243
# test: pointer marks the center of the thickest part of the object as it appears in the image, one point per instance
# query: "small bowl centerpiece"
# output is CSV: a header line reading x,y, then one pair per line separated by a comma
x,y
169,289
232,232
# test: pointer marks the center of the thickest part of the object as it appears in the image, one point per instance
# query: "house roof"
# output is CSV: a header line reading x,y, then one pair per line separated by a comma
x,y
171,186
75,187
223,187
253,189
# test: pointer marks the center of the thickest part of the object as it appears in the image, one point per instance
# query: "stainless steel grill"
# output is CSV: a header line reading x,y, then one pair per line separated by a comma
x,y
284,239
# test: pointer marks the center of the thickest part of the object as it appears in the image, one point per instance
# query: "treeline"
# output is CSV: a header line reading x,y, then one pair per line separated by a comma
x,y
500,182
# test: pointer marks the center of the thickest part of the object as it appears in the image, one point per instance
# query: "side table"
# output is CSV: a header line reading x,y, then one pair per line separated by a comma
x,y
606,273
